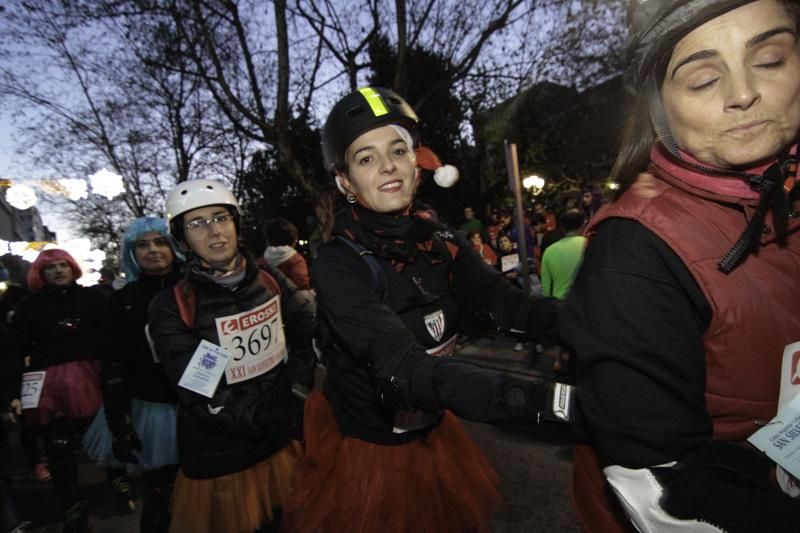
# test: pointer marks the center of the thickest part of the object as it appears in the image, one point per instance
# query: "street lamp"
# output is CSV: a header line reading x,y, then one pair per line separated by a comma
x,y
22,196
534,183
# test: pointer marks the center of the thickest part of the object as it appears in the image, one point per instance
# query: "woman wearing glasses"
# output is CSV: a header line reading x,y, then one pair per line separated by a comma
x,y
219,335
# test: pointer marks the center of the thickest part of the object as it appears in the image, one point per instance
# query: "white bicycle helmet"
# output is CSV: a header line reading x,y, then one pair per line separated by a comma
x,y
192,194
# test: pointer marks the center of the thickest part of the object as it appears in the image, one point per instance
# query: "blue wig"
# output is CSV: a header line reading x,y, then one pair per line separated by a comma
x,y
139,227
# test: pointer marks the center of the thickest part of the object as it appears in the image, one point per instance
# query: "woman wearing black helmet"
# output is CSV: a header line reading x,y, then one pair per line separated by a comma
x,y
683,313
383,451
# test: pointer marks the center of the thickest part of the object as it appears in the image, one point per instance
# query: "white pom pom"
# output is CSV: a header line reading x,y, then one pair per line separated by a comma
x,y
446,176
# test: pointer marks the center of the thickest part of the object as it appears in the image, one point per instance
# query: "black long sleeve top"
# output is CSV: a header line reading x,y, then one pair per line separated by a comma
x,y
636,318
370,329
130,369
55,326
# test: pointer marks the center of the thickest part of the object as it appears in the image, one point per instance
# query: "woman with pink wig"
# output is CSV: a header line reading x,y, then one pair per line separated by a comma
x,y
53,359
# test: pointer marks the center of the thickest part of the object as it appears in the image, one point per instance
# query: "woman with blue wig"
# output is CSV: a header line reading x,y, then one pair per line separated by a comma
x,y
136,428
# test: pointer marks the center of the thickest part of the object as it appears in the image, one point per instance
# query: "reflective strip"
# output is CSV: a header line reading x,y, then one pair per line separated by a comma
x,y
374,100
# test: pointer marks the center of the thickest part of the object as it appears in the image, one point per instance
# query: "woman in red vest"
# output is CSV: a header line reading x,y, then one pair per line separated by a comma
x,y
685,315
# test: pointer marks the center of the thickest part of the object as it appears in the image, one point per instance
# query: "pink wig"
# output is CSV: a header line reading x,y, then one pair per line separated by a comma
x,y
35,279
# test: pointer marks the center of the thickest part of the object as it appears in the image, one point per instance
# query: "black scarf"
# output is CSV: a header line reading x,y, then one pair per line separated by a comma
x,y
396,238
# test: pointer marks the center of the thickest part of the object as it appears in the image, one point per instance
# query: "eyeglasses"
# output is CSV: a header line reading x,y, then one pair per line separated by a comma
x,y
203,224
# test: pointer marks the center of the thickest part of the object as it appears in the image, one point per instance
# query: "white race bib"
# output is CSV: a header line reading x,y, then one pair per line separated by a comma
x,y
790,374
205,369
32,385
254,340
446,349
780,439
508,262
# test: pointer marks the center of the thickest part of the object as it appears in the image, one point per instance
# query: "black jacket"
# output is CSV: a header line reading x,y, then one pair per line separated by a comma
x,y
9,301
367,328
129,367
257,416
55,326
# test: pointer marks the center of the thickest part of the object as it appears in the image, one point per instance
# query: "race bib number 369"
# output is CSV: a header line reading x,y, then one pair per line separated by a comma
x,y
254,340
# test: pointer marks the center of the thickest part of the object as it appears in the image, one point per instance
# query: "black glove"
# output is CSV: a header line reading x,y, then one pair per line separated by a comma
x,y
258,417
123,445
302,365
728,486
539,402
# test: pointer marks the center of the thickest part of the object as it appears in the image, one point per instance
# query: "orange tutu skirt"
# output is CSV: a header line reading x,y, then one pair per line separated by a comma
x,y
440,483
237,503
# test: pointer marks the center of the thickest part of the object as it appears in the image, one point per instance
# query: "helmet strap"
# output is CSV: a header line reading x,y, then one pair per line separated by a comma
x,y
658,117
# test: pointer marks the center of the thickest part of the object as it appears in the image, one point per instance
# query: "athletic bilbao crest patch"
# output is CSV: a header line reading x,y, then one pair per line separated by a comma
x,y
435,324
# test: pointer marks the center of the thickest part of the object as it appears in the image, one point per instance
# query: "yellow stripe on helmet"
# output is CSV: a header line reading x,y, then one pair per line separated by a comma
x,y
375,101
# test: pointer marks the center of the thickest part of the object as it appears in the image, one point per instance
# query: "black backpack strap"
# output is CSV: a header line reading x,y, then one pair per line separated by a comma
x,y
378,276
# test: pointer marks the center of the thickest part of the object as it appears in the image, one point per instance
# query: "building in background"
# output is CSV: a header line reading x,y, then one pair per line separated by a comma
x,y
22,225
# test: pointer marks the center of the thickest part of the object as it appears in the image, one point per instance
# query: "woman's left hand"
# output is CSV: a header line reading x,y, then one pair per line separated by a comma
x,y
16,410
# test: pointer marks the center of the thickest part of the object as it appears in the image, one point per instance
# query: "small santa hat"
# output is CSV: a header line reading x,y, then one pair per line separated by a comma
x,y
444,175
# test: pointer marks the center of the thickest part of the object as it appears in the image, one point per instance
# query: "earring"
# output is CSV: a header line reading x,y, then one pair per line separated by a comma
x,y
351,198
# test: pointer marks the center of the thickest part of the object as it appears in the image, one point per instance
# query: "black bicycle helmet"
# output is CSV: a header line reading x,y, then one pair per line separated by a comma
x,y
656,26
360,111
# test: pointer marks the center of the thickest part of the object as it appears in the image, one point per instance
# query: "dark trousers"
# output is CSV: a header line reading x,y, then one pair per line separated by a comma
x,y
158,485
30,438
61,441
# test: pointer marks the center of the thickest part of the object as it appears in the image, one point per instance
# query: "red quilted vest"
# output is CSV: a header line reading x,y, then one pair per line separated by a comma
x,y
756,308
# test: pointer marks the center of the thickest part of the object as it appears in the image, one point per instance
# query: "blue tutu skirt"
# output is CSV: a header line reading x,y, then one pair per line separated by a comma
x,y
155,423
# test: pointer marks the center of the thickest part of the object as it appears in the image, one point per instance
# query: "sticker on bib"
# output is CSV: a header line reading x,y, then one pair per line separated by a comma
x,y
205,369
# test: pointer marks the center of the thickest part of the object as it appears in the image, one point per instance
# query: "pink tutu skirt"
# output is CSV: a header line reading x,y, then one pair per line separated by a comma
x,y
71,390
